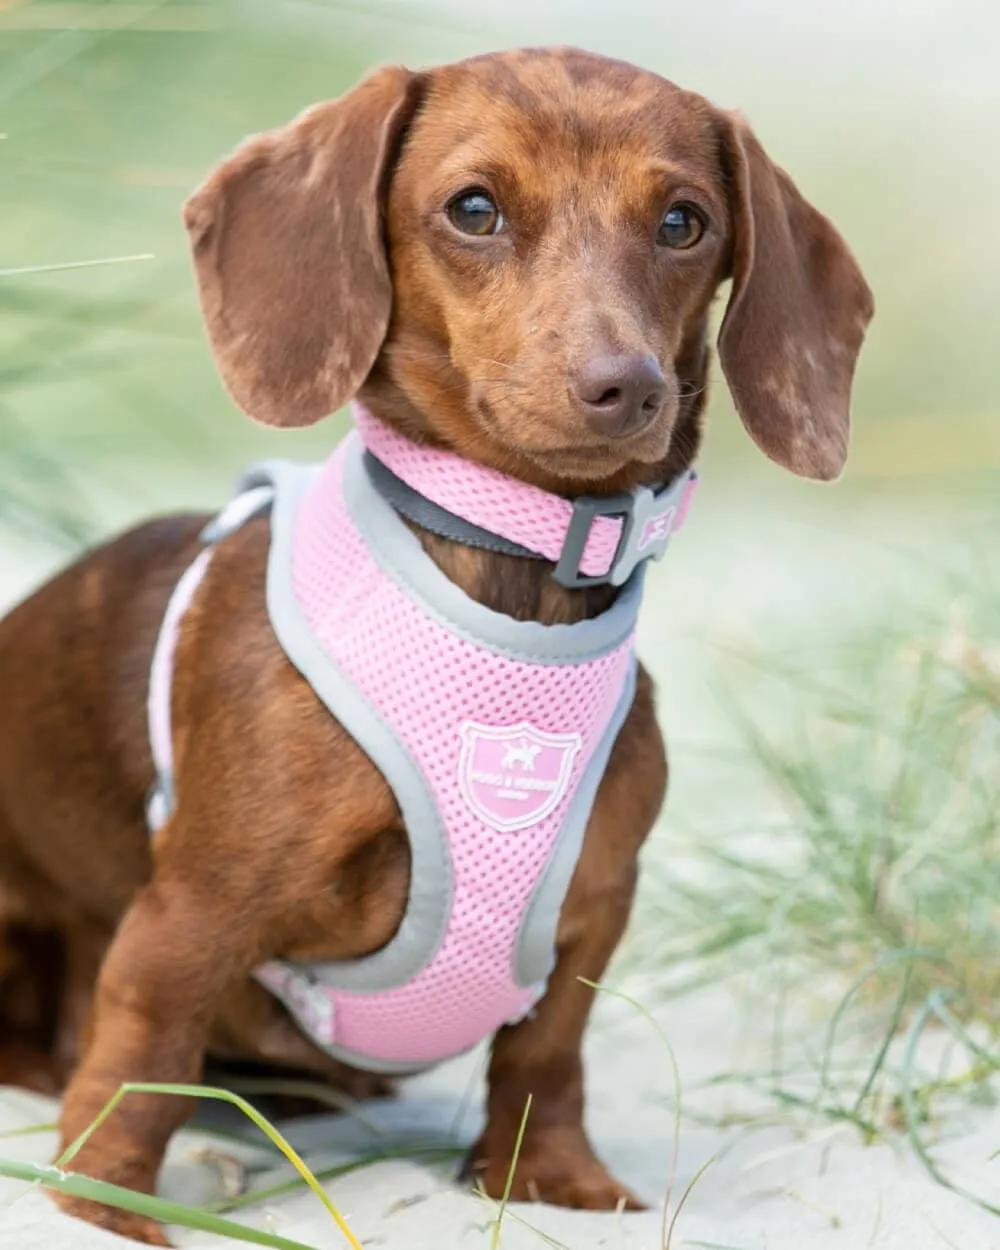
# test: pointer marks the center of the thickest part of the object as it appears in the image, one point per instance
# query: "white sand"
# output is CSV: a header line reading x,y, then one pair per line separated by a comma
x,y
767,1190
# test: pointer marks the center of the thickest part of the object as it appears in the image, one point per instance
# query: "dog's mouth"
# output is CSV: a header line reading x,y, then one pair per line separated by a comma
x,y
578,454
589,469
594,459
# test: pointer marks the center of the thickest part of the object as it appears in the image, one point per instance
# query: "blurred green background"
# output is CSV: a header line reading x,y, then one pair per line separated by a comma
x,y
887,113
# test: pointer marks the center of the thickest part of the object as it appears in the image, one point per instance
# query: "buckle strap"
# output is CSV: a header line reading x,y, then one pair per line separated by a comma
x,y
592,541
648,520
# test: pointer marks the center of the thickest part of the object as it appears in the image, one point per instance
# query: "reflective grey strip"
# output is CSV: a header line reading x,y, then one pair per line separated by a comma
x,y
399,554
535,948
429,902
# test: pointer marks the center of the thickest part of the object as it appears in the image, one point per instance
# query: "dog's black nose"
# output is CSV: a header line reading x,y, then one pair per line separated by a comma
x,y
619,394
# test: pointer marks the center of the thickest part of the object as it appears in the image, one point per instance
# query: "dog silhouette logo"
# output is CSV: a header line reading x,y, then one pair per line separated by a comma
x,y
514,776
523,754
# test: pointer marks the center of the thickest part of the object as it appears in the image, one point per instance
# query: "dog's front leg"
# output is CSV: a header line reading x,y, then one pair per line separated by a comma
x,y
170,959
541,1056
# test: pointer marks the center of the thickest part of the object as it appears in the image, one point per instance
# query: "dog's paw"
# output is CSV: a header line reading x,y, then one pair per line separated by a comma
x,y
125,1223
578,1180
592,1190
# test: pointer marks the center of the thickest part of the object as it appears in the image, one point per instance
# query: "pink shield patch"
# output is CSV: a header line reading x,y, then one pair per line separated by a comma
x,y
513,777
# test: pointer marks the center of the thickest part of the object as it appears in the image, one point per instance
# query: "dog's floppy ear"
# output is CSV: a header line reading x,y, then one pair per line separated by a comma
x,y
288,249
796,318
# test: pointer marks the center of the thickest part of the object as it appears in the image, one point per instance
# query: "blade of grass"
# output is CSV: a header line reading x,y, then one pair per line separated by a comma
x,y
910,1114
159,1209
547,1238
28,1130
856,985
962,1034
320,1093
218,1095
675,1069
880,1056
334,1172
684,1197
518,1142
76,264
711,1245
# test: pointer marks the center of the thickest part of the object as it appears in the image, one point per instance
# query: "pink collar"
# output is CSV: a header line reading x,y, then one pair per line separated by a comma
x,y
591,540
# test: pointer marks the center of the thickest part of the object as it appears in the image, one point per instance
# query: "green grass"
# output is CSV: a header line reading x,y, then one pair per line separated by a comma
x,y
106,384
867,908
216,1095
885,795
885,792
211,1218
59,1180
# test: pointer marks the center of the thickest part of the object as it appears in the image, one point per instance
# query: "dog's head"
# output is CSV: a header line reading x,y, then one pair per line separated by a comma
x,y
515,256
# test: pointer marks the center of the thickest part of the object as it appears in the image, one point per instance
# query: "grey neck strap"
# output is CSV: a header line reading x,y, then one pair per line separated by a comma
x,y
430,516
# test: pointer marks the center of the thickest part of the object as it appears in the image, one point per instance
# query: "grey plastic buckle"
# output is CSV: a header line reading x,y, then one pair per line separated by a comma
x,y
647,522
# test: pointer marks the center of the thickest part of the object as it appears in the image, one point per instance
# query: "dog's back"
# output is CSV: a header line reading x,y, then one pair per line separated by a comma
x,y
74,765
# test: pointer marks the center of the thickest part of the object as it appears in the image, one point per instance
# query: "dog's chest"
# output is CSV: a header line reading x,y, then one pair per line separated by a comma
x,y
492,735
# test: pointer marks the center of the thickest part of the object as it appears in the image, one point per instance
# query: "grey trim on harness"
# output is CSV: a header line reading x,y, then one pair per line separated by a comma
x,y
535,946
399,554
429,904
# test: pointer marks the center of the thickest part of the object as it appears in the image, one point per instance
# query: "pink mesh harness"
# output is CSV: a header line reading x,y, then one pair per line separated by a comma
x,y
493,733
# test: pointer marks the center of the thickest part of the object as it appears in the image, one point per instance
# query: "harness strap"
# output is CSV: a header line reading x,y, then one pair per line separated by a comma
x,y
160,801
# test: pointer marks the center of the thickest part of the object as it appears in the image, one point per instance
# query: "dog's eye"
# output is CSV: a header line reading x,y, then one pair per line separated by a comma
x,y
475,212
682,226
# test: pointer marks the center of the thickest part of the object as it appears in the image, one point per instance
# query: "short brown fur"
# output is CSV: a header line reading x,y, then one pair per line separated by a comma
x,y
327,267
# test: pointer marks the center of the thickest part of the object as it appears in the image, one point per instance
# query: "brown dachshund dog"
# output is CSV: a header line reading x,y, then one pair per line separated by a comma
x,y
599,209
